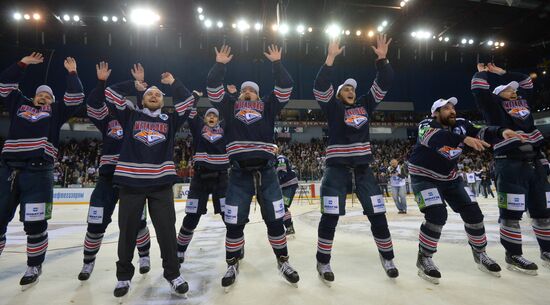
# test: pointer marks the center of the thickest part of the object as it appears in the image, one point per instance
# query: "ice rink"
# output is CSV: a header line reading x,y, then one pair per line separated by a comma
x,y
359,275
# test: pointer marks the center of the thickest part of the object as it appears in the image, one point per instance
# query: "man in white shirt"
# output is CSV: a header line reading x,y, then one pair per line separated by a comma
x,y
398,181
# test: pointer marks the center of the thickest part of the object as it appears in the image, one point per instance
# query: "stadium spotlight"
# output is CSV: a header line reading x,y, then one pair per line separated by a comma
x,y
310,29
502,44
380,28
471,41
490,42
17,16
104,18
463,41
413,34
208,23
258,26
199,10
76,18
402,4
242,25
370,33
384,23
27,17
114,19
143,16
36,16
440,38
347,32
283,28
358,33
333,30
201,17
300,29
219,24
446,39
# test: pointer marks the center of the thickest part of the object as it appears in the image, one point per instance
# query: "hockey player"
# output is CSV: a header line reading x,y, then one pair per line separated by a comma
x,y
28,156
435,181
249,133
145,171
105,195
520,165
349,154
289,183
210,164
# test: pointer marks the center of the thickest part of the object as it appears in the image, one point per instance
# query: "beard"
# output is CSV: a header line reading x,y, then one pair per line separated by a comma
x,y
448,121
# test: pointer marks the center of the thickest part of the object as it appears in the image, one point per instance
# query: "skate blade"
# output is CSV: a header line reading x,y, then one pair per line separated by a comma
x,y
122,299
546,264
229,288
484,269
519,270
28,286
180,295
428,278
327,283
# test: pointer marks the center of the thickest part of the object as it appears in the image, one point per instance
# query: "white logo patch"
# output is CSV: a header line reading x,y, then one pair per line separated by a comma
x,y
548,200
192,206
516,202
95,215
331,205
378,204
231,213
431,197
35,211
279,208
470,193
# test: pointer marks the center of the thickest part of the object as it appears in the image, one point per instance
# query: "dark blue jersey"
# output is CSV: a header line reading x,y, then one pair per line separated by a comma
x,y
348,125
249,128
34,131
208,143
147,153
438,149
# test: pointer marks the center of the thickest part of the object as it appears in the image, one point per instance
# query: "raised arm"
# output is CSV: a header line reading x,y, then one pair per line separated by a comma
x,y
435,137
116,99
524,81
214,82
384,74
73,98
322,87
183,99
283,80
95,103
10,78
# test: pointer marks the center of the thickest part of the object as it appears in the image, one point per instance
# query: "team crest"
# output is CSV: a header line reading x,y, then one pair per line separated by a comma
x,y
460,130
32,114
114,130
518,109
356,117
212,134
249,112
450,152
150,133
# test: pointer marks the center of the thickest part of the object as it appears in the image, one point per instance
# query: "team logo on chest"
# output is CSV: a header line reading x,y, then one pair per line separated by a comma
x,y
518,109
356,117
212,134
249,112
114,130
150,133
32,114
450,152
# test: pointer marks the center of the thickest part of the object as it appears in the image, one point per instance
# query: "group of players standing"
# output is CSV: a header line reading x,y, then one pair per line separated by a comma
x,y
235,158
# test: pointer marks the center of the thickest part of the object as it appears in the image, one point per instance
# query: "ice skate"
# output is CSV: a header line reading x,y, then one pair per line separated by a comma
x,y
520,264
181,257
545,256
86,271
486,264
121,290
427,269
30,278
389,267
325,273
144,264
287,271
290,232
179,286
230,275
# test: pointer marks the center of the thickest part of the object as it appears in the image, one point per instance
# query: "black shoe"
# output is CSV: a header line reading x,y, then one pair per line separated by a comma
x,y
427,268
325,272
121,289
30,278
179,285
486,264
520,264
389,267
181,257
287,271
231,274
86,271
290,230
144,264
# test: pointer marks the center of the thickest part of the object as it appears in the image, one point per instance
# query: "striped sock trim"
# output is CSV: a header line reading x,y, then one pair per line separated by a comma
x,y
384,244
324,245
38,248
477,241
542,233
277,242
184,238
142,242
427,242
234,245
92,242
511,235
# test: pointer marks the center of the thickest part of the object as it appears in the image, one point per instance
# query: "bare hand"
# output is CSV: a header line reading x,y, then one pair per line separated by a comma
x,y
167,78
138,72
381,48
140,86
273,53
476,143
494,69
508,134
33,59
232,89
103,71
70,64
333,50
224,55
481,67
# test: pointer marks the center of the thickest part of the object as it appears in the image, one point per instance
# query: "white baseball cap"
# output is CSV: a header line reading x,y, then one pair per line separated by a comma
x,y
153,88
252,85
47,89
442,102
212,110
514,85
348,82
